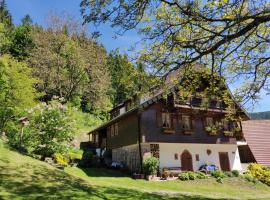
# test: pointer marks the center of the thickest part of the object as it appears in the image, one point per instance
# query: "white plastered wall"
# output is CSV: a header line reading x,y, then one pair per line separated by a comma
x,y
168,150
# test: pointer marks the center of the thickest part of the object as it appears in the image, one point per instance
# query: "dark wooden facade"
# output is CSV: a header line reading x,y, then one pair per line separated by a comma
x,y
127,132
152,130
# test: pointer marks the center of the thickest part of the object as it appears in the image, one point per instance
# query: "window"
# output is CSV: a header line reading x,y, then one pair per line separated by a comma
x,y
209,121
166,120
175,156
116,129
186,122
197,157
113,130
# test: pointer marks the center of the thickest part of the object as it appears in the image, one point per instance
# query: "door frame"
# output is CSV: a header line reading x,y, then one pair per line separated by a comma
x,y
188,153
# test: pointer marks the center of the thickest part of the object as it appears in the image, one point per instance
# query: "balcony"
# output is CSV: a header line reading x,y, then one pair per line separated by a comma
x,y
197,102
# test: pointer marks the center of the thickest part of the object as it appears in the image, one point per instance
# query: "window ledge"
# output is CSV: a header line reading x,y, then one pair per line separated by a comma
x,y
168,130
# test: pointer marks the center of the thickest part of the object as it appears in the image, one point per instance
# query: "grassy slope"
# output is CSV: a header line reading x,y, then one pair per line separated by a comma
x,y
22,177
232,187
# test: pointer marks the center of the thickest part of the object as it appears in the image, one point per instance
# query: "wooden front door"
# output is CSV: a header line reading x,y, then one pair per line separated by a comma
x,y
186,161
224,161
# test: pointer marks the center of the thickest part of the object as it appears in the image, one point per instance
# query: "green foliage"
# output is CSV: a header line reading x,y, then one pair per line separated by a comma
x,y
235,173
260,172
248,177
127,79
21,42
201,175
217,174
228,174
16,90
5,16
219,180
183,176
75,154
72,67
49,131
150,165
192,175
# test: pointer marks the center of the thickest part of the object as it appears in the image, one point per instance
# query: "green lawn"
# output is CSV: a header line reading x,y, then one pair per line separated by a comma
x,y
22,177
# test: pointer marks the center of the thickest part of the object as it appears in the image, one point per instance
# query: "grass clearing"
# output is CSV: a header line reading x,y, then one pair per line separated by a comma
x,y
22,177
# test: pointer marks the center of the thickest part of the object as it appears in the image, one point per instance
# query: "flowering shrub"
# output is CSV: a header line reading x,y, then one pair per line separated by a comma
x,y
49,131
260,172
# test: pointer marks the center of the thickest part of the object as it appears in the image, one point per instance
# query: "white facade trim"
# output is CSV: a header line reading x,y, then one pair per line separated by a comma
x,y
167,153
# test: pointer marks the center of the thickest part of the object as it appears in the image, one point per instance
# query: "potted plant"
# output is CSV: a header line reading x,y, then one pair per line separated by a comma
x,y
228,133
165,173
211,130
150,166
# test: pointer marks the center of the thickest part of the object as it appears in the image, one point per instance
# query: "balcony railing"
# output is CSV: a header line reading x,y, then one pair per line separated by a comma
x,y
200,102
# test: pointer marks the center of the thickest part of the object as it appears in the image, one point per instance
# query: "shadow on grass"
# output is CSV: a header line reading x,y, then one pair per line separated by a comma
x,y
39,182
103,172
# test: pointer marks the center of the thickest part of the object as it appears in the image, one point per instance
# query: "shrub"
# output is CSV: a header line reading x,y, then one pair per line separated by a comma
x,y
75,154
235,173
217,174
150,165
183,176
192,175
219,180
60,159
201,175
248,177
259,172
228,174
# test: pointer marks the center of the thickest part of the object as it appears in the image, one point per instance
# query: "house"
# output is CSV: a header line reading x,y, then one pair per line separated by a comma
x,y
177,130
255,147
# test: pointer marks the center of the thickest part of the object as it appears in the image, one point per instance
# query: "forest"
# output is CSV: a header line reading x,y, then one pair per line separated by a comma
x,y
57,82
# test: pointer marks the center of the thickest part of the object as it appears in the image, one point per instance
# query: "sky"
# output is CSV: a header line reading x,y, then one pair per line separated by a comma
x,y
40,9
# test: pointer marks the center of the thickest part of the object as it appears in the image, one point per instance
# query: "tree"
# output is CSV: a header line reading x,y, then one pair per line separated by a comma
x,y
21,42
127,79
72,66
27,20
17,91
230,37
5,16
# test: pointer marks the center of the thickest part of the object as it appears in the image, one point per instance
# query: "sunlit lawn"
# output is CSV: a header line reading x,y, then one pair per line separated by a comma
x,y
22,177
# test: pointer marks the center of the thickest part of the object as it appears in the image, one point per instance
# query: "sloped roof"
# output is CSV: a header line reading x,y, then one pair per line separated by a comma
x,y
257,135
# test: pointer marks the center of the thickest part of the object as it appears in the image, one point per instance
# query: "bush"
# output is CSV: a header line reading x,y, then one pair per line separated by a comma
x,y
192,175
219,180
217,174
201,175
260,172
75,154
60,159
183,176
150,165
228,174
235,173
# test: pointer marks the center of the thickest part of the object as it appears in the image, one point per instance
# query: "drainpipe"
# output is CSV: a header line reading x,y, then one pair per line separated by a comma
x,y
139,140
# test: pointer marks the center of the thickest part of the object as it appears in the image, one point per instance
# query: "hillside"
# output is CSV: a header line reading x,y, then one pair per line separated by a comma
x,y
260,115
22,177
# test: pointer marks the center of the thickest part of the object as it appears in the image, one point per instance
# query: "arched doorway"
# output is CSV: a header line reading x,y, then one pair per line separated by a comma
x,y
186,161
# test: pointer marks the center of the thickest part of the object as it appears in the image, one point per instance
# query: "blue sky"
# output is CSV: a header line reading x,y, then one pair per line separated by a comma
x,y
39,9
